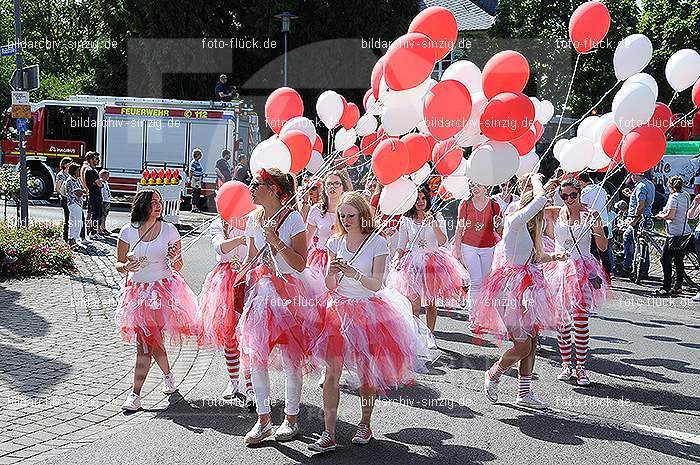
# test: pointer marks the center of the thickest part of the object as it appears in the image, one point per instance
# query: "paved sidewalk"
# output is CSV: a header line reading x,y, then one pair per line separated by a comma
x,y
63,371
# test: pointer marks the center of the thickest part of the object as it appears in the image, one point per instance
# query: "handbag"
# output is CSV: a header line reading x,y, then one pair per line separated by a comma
x,y
678,243
593,278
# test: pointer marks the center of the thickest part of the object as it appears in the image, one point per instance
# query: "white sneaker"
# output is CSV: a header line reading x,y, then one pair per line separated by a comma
x,y
696,298
432,343
132,403
86,241
258,432
169,384
490,389
230,390
566,372
250,398
322,378
96,237
582,378
286,431
325,443
530,400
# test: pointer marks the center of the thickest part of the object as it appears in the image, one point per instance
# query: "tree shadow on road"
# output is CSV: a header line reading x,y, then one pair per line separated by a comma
x,y
464,338
29,373
666,401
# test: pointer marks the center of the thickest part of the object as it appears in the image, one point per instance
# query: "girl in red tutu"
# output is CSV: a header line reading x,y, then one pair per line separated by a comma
x,y
221,302
370,332
281,312
514,302
422,270
321,220
579,284
156,304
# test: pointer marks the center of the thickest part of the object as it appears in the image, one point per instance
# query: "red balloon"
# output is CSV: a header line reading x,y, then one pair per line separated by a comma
x,y
506,71
389,161
350,116
369,143
539,130
696,93
283,104
409,61
610,140
366,97
351,155
318,144
377,74
643,148
447,156
440,25
419,151
431,141
234,202
525,143
299,147
662,117
444,194
446,108
507,116
588,26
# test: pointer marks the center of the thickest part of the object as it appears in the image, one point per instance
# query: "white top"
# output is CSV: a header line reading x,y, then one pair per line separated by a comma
x,y
596,198
217,230
292,225
106,192
153,255
678,226
514,200
349,287
556,198
564,242
417,237
517,243
324,225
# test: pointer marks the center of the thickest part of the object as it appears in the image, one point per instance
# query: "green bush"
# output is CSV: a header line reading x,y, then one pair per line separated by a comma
x,y
40,249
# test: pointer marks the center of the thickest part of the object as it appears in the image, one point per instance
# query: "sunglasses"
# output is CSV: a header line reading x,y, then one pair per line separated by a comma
x,y
314,188
571,196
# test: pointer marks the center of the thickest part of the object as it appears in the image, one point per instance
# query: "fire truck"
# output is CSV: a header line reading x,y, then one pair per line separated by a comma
x,y
131,134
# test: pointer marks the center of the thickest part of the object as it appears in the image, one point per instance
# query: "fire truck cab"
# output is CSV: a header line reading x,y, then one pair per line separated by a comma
x,y
131,134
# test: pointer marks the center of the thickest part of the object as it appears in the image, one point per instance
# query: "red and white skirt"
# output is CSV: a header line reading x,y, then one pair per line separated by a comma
x,y
571,287
317,259
220,307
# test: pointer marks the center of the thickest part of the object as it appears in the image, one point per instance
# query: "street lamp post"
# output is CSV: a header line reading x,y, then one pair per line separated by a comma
x,y
23,188
286,18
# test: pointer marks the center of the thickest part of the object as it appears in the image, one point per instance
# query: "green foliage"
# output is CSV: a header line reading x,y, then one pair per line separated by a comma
x,y
39,249
9,182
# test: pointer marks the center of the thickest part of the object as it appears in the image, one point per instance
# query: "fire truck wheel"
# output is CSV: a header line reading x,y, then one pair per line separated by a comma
x,y
43,187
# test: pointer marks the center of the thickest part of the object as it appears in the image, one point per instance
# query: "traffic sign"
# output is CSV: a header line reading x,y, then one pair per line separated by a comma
x,y
21,111
27,79
20,97
22,124
7,50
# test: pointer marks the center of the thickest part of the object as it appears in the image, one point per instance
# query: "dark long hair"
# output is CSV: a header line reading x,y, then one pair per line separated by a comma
x,y
141,206
414,211
323,200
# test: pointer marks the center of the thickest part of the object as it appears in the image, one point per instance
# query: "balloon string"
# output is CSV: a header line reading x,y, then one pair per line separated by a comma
x,y
673,97
566,102
682,118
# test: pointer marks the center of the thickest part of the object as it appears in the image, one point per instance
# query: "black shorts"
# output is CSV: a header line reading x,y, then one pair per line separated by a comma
x,y
95,208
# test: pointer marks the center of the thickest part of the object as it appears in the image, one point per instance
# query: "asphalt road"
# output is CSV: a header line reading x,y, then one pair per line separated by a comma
x,y
643,405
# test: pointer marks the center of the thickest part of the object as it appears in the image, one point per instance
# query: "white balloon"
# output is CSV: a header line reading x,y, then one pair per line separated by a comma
x,y
457,185
493,163
576,154
422,175
470,141
400,120
303,124
461,169
587,127
329,108
547,111
344,139
600,159
315,162
472,127
374,107
538,107
423,128
632,55
271,153
633,106
401,98
398,197
529,163
603,122
367,124
646,79
683,69
465,72
557,148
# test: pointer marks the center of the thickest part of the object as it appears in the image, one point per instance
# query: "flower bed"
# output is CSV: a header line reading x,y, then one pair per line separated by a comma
x,y
40,249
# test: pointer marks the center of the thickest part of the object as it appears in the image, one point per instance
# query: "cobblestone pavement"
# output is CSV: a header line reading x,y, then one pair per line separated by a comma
x,y
63,371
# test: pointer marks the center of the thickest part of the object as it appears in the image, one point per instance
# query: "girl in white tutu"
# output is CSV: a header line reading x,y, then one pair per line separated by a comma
x,y
221,302
369,331
321,220
579,284
422,270
282,309
155,305
514,303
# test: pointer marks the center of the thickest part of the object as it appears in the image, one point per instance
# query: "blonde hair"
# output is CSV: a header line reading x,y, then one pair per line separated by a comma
x,y
359,202
535,226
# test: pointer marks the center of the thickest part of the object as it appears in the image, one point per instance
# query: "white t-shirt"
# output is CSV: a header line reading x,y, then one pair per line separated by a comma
x,y
292,225
596,198
517,242
514,199
419,238
376,246
217,230
153,255
324,225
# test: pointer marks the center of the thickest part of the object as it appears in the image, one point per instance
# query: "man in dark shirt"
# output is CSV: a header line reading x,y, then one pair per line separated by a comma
x,y
223,169
242,170
222,90
94,186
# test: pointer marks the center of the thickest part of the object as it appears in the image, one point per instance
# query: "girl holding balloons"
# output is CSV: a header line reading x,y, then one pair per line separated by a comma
x,y
281,307
515,302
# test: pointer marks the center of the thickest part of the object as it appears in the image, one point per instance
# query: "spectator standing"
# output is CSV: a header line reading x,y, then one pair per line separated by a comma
x,y
242,170
74,200
222,90
595,198
94,188
196,174
639,211
61,178
223,169
675,213
106,202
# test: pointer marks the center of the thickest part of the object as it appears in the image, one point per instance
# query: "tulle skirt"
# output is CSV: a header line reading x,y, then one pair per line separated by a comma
x,y
432,276
377,339
157,312
220,307
317,259
514,304
499,257
571,288
280,310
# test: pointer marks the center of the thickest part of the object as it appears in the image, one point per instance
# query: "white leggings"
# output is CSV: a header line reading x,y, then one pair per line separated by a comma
x,y
75,221
477,260
293,381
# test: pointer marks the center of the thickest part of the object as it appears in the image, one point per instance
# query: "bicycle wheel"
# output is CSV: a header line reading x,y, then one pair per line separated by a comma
x,y
692,270
640,264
